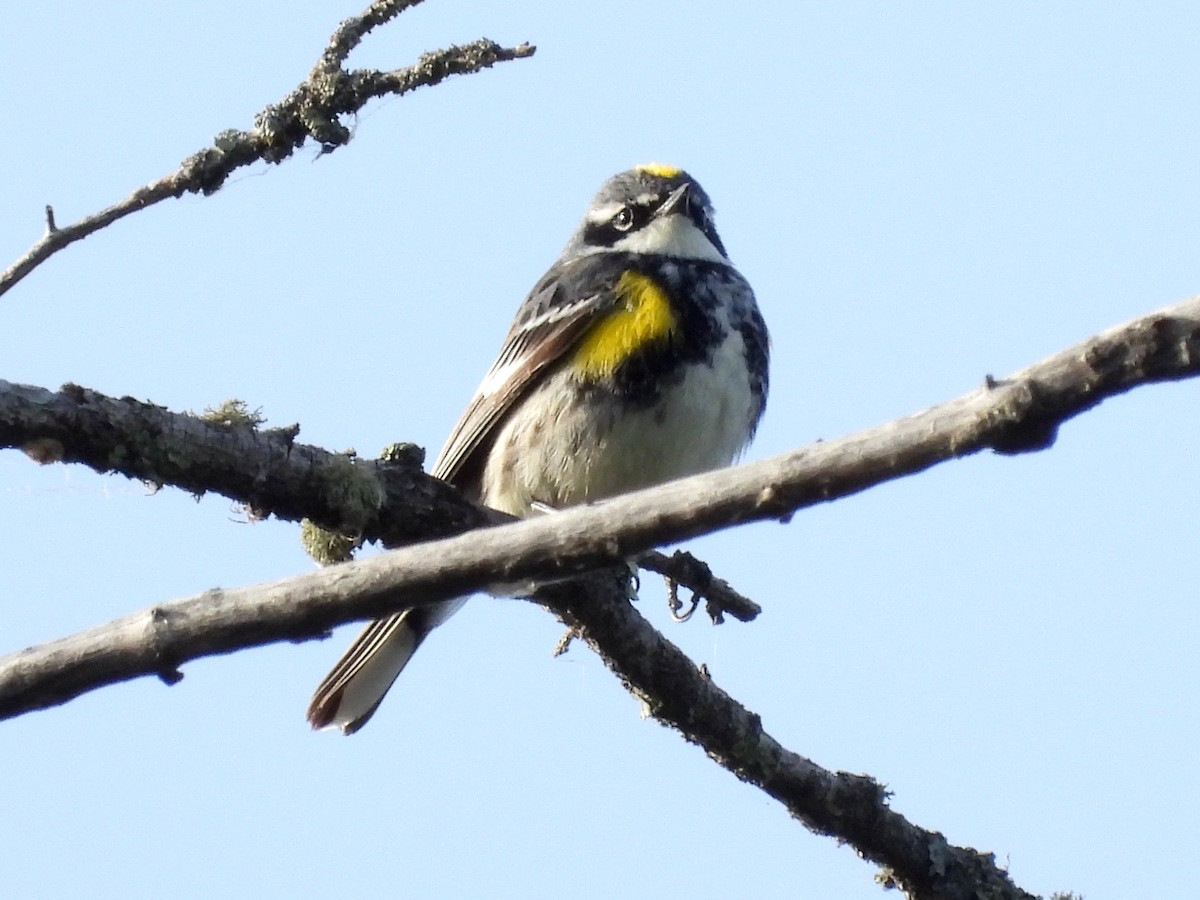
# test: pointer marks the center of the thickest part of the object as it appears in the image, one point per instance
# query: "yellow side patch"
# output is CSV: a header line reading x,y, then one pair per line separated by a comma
x,y
643,316
660,171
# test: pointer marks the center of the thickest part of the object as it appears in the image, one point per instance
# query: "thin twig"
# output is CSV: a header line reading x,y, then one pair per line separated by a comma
x,y
349,34
313,110
719,595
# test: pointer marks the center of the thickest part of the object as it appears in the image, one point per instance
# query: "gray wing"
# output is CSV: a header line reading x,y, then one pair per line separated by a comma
x,y
551,321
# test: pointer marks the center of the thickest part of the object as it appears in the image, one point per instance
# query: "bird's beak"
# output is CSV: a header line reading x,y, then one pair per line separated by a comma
x,y
675,202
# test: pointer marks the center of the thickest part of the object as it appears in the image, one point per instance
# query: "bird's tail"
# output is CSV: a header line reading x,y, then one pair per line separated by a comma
x,y
354,688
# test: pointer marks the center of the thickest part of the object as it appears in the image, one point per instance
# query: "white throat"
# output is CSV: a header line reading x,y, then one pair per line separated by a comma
x,y
674,235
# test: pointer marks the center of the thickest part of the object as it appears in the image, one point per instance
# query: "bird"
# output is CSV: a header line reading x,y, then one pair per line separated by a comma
x,y
639,357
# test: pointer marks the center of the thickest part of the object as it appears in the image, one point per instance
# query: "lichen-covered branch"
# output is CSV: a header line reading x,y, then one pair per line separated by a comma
x,y
390,500
313,110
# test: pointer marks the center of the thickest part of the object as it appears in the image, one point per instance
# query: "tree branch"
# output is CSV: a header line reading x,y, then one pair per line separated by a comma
x,y
1017,414
852,808
156,641
389,500
393,501
681,568
313,109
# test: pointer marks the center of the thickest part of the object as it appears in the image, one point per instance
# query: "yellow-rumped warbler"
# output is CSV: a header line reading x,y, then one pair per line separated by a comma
x,y
639,357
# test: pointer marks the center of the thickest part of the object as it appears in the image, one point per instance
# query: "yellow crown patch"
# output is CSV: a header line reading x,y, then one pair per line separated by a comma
x,y
660,171
643,316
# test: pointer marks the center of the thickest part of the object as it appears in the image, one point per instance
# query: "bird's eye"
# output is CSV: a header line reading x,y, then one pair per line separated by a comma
x,y
623,220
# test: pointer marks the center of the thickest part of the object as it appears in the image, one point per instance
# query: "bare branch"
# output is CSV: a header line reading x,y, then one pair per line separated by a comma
x,y
1014,415
156,641
313,109
852,808
719,596
390,500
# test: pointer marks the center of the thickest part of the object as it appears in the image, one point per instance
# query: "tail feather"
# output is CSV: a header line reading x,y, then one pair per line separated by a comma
x,y
352,691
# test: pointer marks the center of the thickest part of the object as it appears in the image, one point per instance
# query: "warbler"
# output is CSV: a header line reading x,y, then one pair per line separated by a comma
x,y
639,357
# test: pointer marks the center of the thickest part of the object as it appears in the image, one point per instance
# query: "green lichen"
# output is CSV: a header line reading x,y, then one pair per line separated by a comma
x,y
352,489
327,547
403,454
232,413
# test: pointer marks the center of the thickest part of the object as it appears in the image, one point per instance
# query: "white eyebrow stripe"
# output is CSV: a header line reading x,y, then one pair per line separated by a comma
x,y
600,214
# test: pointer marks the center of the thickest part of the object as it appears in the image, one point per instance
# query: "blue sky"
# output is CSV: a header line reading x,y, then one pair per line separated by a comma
x,y
921,194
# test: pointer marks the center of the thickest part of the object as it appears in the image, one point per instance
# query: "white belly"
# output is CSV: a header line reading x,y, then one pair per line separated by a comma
x,y
701,423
